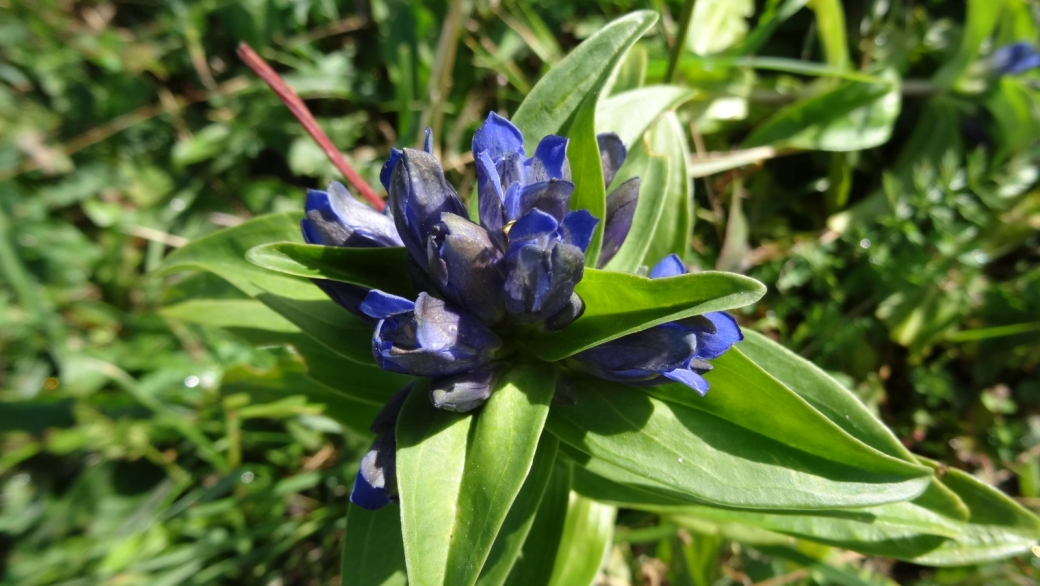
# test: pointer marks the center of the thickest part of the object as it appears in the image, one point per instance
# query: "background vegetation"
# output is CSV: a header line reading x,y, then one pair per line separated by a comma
x,y
897,231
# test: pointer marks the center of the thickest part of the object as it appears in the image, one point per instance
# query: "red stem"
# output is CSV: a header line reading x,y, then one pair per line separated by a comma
x,y
300,111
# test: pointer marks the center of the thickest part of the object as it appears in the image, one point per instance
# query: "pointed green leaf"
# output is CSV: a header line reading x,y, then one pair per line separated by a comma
x,y
477,462
701,455
517,525
499,456
851,117
587,535
824,393
553,101
373,552
672,234
431,458
375,268
630,113
587,171
538,554
745,395
997,527
617,304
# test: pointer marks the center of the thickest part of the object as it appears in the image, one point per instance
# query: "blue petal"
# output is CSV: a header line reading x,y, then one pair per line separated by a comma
x,y
670,266
497,136
428,141
336,218
550,159
689,378
535,225
367,496
727,333
379,305
578,227
347,295
550,197
388,168
1015,58
490,199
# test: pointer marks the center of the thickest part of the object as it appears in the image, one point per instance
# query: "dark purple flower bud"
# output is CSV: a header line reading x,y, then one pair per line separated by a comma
x,y
428,337
464,267
376,481
676,351
335,218
386,420
1013,59
612,154
621,208
419,194
541,269
462,392
570,312
388,168
639,357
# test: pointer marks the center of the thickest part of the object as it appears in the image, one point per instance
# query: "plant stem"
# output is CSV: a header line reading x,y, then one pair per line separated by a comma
x,y
680,40
300,111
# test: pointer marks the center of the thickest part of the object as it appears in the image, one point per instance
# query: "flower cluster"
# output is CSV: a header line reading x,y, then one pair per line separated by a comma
x,y
514,270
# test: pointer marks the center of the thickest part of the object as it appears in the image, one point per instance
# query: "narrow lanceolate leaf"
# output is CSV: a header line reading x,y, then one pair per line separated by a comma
x,y
431,458
824,393
223,253
745,395
716,461
538,554
375,268
895,530
373,553
459,474
517,525
672,233
552,103
617,304
586,168
587,535
630,113
854,116
997,527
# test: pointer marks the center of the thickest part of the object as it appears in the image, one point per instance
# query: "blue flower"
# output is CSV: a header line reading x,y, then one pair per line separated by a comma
x,y
376,482
1015,58
428,337
676,351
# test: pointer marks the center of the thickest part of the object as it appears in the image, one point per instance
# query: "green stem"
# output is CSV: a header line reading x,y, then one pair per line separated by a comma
x,y
679,41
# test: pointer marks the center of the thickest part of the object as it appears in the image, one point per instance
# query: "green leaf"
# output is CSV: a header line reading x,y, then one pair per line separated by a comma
x,y
745,395
223,253
672,235
981,18
373,552
824,393
538,555
630,74
716,461
517,525
851,117
587,172
617,304
894,530
478,464
997,528
830,27
630,113
587,535
556,98
227,313
375,268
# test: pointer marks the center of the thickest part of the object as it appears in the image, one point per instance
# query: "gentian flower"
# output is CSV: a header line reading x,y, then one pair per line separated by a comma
x,y
515,268
676,351
1013,59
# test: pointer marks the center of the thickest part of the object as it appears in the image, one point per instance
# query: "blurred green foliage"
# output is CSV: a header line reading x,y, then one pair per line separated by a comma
x,y
897,230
